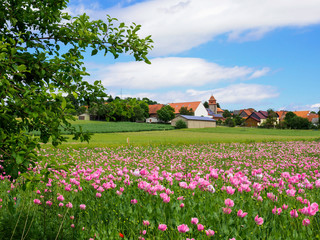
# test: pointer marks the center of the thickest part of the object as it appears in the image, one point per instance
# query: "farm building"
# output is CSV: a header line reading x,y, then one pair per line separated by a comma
x,y
195,121
258,118
197,108
153,116
84,116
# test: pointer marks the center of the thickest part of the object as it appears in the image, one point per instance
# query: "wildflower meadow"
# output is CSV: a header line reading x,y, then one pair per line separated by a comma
x,y
210,191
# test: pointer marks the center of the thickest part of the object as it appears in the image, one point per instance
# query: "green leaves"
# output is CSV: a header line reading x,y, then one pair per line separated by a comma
x,y
94,52
35,70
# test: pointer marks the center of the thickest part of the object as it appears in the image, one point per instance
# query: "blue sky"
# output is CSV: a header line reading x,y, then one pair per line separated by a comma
x,y
246,53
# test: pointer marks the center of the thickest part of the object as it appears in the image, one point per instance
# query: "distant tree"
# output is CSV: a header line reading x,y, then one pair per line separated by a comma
x,y
110,99
226,113
289,116
206,104
148,101
271,120
218,105
145,108
166,113
186,111
294,122
238,120
230,122
219,122
181,124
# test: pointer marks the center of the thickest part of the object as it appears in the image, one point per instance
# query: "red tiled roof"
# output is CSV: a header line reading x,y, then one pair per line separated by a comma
x,y
219,110
247,111
212,100
303,114
154,108
312,116
281,114
189,105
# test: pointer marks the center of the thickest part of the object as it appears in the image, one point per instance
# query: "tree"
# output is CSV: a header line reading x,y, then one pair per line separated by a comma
x,y
230,122
186,111
271,120
166,113
319,118
294,122
226,113
206,104
41,58
148,101
181,124
238,120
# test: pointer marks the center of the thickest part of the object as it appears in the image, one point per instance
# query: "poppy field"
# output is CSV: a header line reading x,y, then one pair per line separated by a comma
x,y
205,191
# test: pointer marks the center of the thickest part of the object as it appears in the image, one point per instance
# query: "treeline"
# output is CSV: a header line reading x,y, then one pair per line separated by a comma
x,y
290,121
112,109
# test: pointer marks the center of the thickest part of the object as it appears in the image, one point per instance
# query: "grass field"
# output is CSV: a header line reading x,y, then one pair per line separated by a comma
x,y
196,136
109,127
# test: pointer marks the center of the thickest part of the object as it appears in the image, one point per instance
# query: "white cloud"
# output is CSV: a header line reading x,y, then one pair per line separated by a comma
x,y
315,106
239,94
260,73
170,72
179,25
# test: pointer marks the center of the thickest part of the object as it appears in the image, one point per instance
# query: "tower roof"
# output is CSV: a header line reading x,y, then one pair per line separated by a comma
x,y
212,100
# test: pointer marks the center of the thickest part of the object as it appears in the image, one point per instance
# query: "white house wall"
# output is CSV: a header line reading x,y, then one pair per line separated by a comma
x,y
201,111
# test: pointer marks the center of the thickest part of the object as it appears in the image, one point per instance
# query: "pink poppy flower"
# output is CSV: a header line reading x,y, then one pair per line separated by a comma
x,y
230,190
60,198
294,213
162,227
37,201
146,222
200,227
209,232
183,228
194,221
258,220
241,213
69,205
306,222
229,202
82,207
226,210
134,201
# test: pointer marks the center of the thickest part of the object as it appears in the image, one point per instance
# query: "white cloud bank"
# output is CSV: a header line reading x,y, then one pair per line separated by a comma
x,y
171,72
315,106
240,94
179,25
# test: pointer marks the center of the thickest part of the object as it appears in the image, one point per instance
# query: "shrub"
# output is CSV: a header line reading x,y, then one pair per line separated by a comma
x,y
181,124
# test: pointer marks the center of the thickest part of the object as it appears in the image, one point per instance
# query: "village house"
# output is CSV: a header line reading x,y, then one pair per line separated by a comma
x,y
195,121
257,118
153,116
197,108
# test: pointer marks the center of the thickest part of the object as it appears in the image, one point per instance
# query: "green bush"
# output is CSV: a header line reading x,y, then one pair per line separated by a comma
x,y
181,124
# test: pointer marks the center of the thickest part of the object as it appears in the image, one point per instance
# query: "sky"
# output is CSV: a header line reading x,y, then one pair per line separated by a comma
x,y
248,53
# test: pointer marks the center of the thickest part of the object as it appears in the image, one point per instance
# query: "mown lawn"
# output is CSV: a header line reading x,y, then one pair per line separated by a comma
x,y
196,136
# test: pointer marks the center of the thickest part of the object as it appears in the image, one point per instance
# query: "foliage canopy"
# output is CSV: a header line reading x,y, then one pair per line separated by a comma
x,y
41,54
166,113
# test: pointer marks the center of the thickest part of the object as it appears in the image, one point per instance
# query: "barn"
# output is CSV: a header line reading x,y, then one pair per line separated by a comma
x,y
195,121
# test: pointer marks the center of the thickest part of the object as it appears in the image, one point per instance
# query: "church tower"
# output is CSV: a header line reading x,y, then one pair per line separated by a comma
x,y
213,104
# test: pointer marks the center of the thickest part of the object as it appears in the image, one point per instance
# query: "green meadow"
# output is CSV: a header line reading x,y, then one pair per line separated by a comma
x,y
113,137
